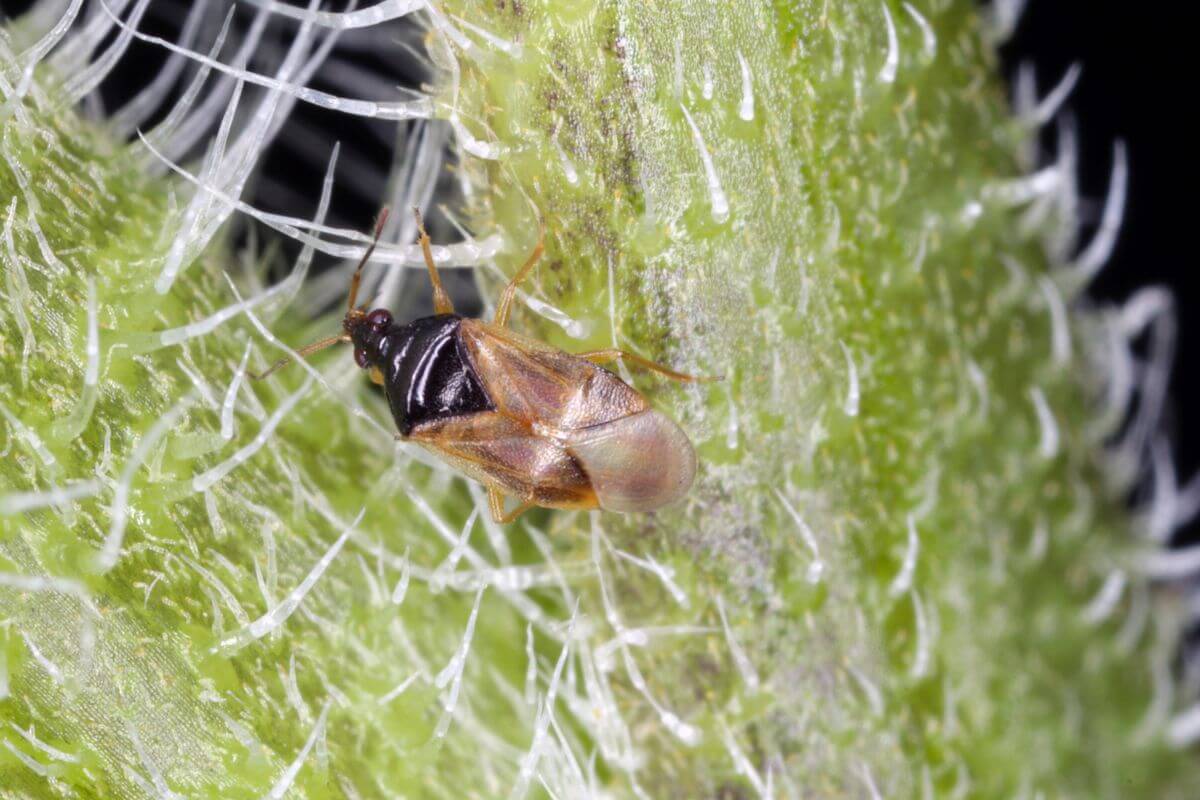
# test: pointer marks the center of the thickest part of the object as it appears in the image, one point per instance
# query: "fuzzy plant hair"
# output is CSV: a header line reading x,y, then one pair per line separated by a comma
x,y
908,568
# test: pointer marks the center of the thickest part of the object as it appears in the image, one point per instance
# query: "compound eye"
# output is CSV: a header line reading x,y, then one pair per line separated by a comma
x,y
379,318
360,358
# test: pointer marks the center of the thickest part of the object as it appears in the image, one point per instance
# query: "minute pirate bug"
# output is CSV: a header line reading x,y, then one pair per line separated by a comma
x,y
521,417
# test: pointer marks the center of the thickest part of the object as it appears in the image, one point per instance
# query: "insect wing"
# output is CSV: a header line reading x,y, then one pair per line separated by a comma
x,y
639,462
629,456
532,381
501,452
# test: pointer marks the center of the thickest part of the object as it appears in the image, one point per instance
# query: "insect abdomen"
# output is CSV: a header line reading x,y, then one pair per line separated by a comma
x,y
428,374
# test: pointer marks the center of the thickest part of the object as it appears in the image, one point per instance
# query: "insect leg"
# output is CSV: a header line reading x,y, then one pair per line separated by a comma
x,y
607,356
496,505
441,300
510,291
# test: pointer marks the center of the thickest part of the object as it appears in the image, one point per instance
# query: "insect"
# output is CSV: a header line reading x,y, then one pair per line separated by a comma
x,y
551,428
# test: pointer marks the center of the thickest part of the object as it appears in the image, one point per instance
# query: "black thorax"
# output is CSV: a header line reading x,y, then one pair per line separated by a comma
x,y
426,370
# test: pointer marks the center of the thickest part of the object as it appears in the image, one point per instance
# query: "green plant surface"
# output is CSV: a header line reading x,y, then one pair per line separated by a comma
x,y
905,568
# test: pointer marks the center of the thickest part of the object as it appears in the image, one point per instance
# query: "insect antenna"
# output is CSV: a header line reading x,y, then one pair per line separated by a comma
x,y
309,349
357,279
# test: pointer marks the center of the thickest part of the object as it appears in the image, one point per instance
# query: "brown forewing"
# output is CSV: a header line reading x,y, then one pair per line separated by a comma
x,y
532,381
543,398
502,452
564,433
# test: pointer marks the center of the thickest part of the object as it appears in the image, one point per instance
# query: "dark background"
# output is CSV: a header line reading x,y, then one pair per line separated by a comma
x,y
1137,83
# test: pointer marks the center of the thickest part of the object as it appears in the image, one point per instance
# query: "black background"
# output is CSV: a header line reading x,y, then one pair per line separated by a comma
x,y
1137,85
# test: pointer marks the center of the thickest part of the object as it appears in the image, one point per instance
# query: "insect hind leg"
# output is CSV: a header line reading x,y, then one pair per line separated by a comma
x,y
510,291
496,506
610,355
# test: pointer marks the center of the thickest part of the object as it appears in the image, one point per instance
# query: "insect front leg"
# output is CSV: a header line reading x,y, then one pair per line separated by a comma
x,y
496,505
608,356
510,292
441,300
